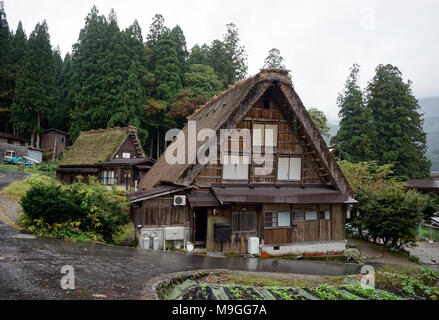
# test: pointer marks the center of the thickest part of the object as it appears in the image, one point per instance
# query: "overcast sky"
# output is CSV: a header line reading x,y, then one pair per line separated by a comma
x,y
319,40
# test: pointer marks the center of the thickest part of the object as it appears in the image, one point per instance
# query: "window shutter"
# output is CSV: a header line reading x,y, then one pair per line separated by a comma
x,y
295,169
282,168
258,134
271,135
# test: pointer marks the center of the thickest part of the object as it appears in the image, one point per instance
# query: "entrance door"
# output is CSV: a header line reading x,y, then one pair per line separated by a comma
x,y
200,226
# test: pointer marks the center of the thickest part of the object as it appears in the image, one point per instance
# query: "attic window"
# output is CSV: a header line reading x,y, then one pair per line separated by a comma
x,y
266,104
126,155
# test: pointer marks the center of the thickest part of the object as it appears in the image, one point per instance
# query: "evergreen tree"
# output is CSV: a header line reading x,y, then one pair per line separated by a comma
x,y
274,60
88,82
18,46
236,53
219,59
353,140
199,55
35,89
6,72
182,51
167,69
60,117
400,138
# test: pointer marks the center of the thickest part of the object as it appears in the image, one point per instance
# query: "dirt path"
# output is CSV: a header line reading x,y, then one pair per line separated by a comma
x,y
10,210
378,253
428,253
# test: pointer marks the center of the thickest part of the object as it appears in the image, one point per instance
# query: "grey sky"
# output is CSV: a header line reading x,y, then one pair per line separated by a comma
x,y
319,40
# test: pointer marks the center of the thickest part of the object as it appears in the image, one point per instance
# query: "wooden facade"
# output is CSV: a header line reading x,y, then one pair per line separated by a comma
x,y
123,165
315,194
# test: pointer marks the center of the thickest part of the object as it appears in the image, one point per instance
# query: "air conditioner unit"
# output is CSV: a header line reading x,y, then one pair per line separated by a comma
x,y
179,201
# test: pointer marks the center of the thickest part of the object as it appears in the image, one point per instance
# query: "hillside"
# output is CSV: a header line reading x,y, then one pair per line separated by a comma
x,y
430,108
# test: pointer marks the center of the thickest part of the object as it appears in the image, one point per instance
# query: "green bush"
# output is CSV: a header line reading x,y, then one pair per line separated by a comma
x,y
352,255
77,211
388,210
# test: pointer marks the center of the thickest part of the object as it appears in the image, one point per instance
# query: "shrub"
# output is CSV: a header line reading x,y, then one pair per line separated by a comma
x,y
77,211
387,210
352,255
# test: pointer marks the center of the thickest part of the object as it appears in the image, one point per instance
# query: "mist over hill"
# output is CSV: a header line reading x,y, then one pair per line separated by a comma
x,y
430,109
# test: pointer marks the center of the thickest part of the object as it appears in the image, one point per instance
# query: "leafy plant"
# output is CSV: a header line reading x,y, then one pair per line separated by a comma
x,y
352,255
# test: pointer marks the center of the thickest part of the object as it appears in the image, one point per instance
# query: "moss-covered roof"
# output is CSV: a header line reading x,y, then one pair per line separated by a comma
x,y
95,146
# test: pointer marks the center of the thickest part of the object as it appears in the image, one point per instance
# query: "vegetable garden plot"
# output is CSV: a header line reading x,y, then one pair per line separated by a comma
x,y
196,290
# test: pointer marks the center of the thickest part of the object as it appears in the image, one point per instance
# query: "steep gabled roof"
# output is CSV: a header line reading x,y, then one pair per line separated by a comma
x,y
96,146
228,109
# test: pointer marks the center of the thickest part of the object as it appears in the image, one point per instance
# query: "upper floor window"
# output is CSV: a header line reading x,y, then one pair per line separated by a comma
x,y
126,155
289,169
265,135
235,167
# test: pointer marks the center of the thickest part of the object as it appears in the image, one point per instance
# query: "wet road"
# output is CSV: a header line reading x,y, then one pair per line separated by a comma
x,y
11,176
31,269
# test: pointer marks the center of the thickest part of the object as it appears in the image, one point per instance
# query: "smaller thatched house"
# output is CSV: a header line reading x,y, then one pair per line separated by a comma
x,y
113,156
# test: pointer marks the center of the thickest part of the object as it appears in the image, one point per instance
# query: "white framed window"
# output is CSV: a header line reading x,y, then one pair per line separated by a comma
x,y
265,135
289,169
244,222
299,215
311,215
235,167
107,177
277,219
126,155
325,215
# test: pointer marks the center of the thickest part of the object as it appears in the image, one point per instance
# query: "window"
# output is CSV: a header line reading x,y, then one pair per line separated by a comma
x,y
266,104
277,219
311,215
244,222
62,140
299,216
235,167
325,215
289,169
265,135
126,155
107,177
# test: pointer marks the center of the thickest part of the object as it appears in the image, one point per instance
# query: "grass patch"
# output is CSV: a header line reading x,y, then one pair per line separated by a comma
x,y
18,189
45,168
433,234
120,237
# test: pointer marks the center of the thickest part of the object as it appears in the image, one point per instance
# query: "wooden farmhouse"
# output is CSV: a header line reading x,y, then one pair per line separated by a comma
x,y
299,205
112,156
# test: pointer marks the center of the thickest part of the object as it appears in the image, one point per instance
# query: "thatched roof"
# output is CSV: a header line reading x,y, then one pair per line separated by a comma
x,y
228,109
96,146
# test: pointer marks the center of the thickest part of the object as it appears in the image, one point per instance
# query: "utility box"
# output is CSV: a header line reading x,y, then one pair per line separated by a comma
x,y
253,245
146,243
155,243
174,233
222,231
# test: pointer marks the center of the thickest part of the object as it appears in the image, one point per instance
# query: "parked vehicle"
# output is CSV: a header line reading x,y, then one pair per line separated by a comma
x,y
11,158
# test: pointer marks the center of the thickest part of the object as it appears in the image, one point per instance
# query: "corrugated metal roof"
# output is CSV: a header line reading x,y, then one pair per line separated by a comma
x,y
202,199
279,194
153,193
